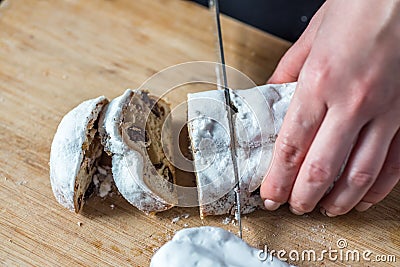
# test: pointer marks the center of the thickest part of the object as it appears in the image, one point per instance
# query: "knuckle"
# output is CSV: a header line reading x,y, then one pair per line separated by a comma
x,y
301,205
364,95
361,179
360,104
318,173
289,153
317,73
275,192
279,190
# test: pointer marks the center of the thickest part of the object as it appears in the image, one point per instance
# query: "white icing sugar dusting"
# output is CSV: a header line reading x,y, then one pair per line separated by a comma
x,y
66,149
264,108
179,217
129,167
208,129
175,220
226,221
210,247
260,115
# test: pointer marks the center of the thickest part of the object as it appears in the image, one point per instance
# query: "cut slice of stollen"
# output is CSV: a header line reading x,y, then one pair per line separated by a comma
x,y
75,149
131,129
260,113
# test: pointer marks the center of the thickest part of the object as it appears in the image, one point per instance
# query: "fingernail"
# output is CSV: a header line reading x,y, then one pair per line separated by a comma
x,y
323,211
330,214
326,213
271,205
296,212
363,206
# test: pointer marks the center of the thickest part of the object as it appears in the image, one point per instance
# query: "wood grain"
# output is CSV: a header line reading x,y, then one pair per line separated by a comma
x,y
54,55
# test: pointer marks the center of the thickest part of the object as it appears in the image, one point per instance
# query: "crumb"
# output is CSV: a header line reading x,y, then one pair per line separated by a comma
x,y
5,178
226,221
96,180
105,187
79,224
175,220
246,228
9,240
237,214
185,215
102,170
22,182
185,225
112,206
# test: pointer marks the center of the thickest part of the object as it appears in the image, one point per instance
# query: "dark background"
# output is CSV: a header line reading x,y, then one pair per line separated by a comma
x,y
284,18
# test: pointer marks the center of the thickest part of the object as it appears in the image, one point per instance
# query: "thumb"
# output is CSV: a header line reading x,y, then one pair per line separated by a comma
x,y
292,62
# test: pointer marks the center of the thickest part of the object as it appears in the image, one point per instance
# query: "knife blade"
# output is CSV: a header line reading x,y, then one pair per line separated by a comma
x,y
222,84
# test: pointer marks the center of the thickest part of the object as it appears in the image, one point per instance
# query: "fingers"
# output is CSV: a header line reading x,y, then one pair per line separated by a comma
x,y
324,160
362,169
301,123
290,65
387,179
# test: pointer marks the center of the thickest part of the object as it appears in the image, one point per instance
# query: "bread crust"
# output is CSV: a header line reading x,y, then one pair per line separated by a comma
x,y
71,162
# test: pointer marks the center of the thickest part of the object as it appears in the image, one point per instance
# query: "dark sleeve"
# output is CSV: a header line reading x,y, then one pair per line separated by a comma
x,y
284,18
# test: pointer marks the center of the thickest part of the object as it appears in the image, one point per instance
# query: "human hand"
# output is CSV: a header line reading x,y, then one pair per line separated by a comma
x,y
347,64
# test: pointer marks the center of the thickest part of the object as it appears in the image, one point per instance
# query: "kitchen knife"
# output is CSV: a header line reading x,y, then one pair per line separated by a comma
x,y
222,84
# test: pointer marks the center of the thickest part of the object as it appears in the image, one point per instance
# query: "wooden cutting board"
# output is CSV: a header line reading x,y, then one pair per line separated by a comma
x,y
54,55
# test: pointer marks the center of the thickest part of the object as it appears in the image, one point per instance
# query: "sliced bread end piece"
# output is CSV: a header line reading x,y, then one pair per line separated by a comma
x,y
75,148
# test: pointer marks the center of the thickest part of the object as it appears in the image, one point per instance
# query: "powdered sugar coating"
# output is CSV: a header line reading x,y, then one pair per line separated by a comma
x,y
66,153
255,126
129,166
210,246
